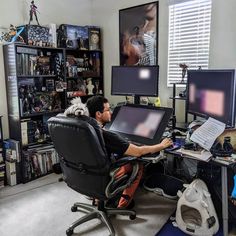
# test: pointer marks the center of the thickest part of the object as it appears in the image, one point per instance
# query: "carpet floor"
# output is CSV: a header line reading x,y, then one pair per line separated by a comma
x,y
42,208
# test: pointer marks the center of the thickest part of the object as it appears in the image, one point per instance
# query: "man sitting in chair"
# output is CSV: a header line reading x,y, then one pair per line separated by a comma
x,y
99,108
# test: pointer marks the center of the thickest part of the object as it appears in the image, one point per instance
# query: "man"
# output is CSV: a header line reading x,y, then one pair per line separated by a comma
x,y
99,108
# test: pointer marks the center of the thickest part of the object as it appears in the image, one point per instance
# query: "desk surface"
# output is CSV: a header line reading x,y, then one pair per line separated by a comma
x,y
225,161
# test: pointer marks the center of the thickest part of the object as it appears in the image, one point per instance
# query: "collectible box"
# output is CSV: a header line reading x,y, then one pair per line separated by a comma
x,y
35,35
94,38
73,36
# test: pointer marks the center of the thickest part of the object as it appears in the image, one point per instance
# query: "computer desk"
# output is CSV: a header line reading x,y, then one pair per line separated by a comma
x,y
224,185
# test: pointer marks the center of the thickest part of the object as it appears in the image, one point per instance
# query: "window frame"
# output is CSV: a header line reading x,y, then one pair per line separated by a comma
x,y
184,17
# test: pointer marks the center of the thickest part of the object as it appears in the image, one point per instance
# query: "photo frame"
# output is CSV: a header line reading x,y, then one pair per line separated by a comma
x,y
138,33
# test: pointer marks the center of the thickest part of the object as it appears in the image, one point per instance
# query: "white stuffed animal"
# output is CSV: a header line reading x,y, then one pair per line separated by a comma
x,y
195,214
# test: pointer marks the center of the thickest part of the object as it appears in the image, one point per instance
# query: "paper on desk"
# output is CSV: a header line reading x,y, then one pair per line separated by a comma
x,y
207,133
203,155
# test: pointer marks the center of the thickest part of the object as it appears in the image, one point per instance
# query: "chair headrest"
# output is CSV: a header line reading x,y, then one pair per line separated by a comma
x,y
77,121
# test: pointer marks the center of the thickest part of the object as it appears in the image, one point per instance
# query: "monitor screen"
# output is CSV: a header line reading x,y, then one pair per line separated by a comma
x,y
140,124
211,93
135,80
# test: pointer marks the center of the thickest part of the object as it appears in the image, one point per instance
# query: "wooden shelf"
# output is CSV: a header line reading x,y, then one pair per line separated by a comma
x,y
36,76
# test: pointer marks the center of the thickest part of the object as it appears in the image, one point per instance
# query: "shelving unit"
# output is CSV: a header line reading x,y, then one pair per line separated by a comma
x,y
35,92
41,81
176,98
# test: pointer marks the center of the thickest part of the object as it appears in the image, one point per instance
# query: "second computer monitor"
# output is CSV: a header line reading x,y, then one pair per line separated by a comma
x,y
135,80
212,93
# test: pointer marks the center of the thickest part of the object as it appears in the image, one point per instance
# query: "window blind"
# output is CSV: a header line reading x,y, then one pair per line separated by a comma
x,y
189,36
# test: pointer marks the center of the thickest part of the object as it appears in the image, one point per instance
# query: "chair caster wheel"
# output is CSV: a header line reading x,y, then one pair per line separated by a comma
x,y
132,217
73,208
69,232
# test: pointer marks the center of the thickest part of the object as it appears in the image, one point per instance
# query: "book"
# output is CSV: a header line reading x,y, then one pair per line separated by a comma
x,y
35,164
12,148
11,173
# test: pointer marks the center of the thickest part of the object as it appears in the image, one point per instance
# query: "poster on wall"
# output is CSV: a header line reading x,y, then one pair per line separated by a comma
x,y
138,34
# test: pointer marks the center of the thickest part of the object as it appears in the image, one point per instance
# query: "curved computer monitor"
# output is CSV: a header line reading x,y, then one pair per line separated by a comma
x,y
139,123
134,80
212,93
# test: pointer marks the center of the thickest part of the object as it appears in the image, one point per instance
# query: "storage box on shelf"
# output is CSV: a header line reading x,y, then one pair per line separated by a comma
x,y
35,92
36,35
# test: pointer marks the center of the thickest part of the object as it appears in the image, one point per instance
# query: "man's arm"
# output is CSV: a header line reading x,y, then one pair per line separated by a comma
x,y
138,151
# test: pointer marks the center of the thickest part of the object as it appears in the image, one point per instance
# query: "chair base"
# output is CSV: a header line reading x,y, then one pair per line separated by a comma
x,y
99,212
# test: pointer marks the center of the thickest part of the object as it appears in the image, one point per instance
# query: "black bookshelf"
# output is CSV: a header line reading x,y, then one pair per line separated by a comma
x,y
40,83
36,90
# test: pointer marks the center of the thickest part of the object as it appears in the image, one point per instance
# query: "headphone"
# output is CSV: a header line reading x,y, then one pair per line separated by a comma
x,y
224,150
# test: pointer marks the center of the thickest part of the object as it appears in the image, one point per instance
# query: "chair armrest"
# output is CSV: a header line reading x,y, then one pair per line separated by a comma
x,y
117,185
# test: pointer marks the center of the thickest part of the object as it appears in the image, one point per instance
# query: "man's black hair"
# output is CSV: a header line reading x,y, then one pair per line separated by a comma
x,y
95,104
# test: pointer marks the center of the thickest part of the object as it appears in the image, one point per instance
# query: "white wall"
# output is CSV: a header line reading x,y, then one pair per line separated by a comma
x,y
222,48
105,13
16,12
223,35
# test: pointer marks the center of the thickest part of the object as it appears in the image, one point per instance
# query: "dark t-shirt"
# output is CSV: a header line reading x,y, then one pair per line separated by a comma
x,y
115,144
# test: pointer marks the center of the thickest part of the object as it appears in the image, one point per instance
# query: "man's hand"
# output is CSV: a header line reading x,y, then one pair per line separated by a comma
x,y
166,143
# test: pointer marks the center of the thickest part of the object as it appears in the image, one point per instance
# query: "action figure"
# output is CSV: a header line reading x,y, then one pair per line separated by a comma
x,y
90,86
33,11
13,34
184,68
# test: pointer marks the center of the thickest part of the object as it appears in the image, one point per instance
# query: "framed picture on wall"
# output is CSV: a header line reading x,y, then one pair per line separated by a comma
x,y
138,34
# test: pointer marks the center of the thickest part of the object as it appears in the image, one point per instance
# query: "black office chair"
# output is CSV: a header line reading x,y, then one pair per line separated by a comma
x,y
87,169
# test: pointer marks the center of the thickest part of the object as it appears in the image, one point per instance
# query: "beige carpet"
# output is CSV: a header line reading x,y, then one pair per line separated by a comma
x,y
35,209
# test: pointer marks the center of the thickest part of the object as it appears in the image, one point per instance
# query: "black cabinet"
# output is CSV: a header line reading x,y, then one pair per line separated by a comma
x,y
35,85
40,82
181,96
